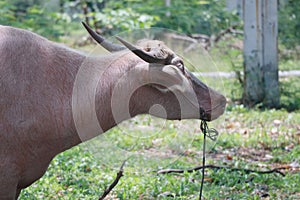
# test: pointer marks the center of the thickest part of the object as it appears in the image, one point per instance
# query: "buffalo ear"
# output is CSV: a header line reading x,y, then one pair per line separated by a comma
x,y
102,41
149,57
167,78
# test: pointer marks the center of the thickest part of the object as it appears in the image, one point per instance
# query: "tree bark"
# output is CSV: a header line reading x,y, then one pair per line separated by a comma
x,y
270,51
260,53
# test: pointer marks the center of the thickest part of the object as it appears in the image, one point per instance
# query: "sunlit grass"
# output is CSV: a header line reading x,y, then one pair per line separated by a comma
x,y
82,173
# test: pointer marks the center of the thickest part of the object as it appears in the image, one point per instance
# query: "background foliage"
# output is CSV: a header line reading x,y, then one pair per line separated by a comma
x,y
49,18
289,23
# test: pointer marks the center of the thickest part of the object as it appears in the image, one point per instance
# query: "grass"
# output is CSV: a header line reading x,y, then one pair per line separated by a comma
x,y
249,139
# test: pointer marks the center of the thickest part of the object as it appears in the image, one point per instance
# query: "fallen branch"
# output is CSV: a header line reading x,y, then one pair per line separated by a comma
x,y
183,37
224,32
114,183
275,170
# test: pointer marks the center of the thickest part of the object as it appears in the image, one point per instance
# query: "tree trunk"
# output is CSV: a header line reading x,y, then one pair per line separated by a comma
x,y
260,53
168,4
270,67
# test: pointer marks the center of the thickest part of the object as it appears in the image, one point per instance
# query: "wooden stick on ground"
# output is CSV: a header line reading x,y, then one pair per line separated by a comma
x,y
114,183
275,170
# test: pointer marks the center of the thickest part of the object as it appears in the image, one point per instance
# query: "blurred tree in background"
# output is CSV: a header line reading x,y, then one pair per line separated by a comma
x,y
51,18
34,15
193,16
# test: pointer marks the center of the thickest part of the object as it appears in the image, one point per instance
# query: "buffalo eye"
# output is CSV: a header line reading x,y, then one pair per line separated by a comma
x,y
180,65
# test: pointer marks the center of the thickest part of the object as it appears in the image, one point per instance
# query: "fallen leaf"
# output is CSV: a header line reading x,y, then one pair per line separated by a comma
x,y
285,166
274,130
229,157
208,179
277,122
289,147
295,164
230,125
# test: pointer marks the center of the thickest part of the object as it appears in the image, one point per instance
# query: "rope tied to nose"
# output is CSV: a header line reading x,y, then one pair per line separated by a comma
x,y
212,134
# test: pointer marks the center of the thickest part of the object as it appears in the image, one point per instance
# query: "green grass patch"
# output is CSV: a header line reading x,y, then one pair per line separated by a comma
x,y
250,139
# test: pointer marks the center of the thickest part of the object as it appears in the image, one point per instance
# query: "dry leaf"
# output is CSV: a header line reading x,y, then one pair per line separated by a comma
x,y
229,157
